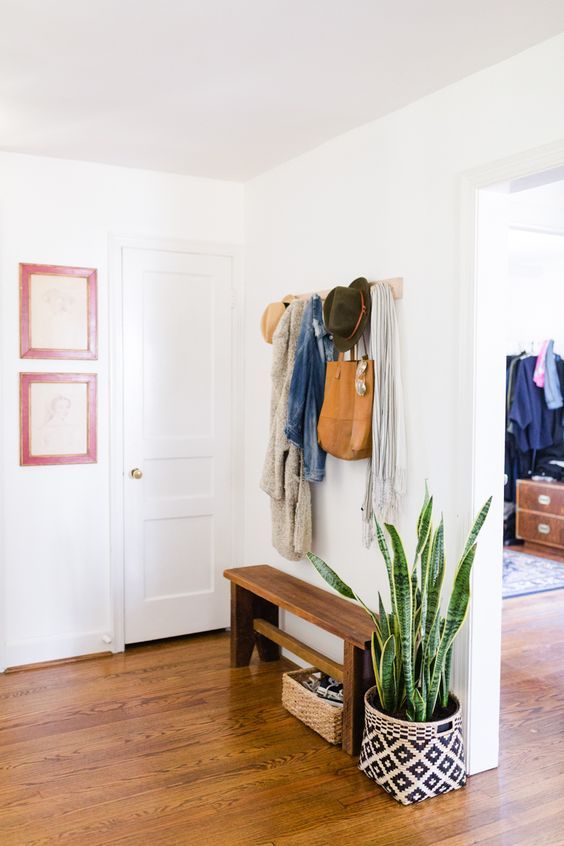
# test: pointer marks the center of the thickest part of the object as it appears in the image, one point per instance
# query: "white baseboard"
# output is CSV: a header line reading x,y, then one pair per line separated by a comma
x,y
35,650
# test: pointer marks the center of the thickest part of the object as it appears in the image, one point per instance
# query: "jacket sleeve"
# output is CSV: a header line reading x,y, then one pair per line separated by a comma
x,y
521,412
294,429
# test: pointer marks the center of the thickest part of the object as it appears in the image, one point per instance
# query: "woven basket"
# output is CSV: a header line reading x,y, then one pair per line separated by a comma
x,y
412,761
322,717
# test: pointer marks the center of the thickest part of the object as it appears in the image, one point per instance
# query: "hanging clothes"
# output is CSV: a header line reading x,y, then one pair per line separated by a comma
x,y
534,417
387,469
531,421
282,477
315,348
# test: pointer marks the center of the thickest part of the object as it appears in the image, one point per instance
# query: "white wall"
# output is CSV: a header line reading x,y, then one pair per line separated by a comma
x,y
535,291
535,288
538,206
384,201
56,543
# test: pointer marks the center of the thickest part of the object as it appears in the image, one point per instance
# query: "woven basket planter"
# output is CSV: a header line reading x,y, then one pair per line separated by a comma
x,y
412,761
322,717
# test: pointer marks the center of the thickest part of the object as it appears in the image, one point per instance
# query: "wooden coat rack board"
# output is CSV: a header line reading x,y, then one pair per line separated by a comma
x,y
396,284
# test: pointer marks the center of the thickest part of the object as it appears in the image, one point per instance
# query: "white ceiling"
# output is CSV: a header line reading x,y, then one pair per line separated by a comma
x,y
230,88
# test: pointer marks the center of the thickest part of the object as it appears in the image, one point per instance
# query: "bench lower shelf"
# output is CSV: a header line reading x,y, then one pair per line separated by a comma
x,y
296,647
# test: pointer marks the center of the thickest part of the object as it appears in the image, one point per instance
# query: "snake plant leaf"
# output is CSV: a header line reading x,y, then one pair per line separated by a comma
x,y
426,499
379,637
445,679
425,682
478,523
414,588
335,581
376,651
385,550
400,678
416,635
331,577
435,578
387,674
424,524
383,619
403,609
396,689
418,707
425,561
456,614
418,663
368,610
376,646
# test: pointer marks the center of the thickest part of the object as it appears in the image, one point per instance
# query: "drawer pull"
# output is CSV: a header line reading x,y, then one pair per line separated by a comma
x,y
544,499
543,528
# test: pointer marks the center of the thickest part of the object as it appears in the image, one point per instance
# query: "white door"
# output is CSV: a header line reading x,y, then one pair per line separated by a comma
x,y
177,449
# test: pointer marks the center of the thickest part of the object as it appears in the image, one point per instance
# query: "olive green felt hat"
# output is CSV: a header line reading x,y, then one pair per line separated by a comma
x,y
346,311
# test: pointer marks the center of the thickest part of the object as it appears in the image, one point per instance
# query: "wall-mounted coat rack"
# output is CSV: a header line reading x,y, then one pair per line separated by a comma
x,y
396,284
274,311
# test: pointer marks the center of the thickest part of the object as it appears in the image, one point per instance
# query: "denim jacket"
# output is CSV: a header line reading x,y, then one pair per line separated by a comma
x,y
315,349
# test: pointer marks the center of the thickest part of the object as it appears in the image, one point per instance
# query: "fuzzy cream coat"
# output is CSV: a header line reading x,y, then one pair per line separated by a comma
x,y
282,477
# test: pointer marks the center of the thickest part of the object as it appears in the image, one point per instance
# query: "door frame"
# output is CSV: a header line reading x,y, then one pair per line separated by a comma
x,y
116,245
479,682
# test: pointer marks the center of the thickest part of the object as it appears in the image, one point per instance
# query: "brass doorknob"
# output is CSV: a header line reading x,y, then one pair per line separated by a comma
x,y
136,473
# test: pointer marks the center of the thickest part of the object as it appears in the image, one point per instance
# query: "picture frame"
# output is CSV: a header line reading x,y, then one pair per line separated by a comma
x,y
58,418
58,312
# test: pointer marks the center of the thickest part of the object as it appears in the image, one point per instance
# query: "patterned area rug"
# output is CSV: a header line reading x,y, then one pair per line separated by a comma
x,y
524,574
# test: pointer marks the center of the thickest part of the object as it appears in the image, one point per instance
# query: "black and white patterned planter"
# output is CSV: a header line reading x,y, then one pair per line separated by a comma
x,y
412,761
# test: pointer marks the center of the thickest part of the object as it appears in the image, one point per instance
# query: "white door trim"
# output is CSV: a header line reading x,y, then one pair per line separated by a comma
x,y
118,243
477,683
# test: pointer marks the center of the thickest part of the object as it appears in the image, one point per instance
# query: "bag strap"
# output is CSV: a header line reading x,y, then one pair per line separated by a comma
x,y
354,352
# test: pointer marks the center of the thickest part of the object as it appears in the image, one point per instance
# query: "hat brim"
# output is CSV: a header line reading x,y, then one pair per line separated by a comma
x,y
270,320
346,344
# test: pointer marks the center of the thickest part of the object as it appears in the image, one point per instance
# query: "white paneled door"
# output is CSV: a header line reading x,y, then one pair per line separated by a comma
x,y
177,442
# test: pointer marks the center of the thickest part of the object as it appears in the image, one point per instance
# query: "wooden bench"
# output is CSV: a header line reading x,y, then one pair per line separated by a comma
x,y
257,594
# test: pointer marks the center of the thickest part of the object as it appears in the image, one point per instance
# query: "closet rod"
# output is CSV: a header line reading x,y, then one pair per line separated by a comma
x,y
396,284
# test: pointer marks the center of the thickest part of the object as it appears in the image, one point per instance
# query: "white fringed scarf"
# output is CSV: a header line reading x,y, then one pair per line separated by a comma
x,y
386,473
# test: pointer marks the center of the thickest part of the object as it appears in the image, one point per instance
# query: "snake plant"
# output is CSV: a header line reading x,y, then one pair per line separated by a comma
x,y
412,643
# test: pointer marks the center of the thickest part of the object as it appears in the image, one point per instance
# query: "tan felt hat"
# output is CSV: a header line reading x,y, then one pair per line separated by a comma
x,y
271,316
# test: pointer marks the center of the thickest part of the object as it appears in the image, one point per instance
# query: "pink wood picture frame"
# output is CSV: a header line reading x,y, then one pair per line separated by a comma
x,y
26,381
27,350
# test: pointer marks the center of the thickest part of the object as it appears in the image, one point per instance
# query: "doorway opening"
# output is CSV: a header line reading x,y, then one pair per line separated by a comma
x,y
517,454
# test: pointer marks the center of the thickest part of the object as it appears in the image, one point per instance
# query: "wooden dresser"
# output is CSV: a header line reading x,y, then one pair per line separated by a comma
x,y
540,513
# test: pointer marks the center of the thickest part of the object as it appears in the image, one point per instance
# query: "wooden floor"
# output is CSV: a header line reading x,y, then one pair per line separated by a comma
x,y
167,745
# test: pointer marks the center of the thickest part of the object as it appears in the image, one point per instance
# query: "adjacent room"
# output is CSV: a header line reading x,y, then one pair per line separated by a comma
x,y
282,427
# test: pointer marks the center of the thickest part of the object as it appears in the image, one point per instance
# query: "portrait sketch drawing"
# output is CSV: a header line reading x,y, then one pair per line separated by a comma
x,y
58,418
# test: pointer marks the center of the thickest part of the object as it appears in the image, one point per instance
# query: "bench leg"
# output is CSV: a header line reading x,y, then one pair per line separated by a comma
x,y
242,633
246,607
358,677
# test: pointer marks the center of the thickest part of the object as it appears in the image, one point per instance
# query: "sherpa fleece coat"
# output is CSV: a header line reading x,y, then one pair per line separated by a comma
x,y
283,476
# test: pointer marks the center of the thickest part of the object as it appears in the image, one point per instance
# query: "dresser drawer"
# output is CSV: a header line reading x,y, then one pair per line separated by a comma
x,y
541,497
540,528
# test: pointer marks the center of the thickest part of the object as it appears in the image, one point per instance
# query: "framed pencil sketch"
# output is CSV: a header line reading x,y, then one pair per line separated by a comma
x,y
57,418
58,312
